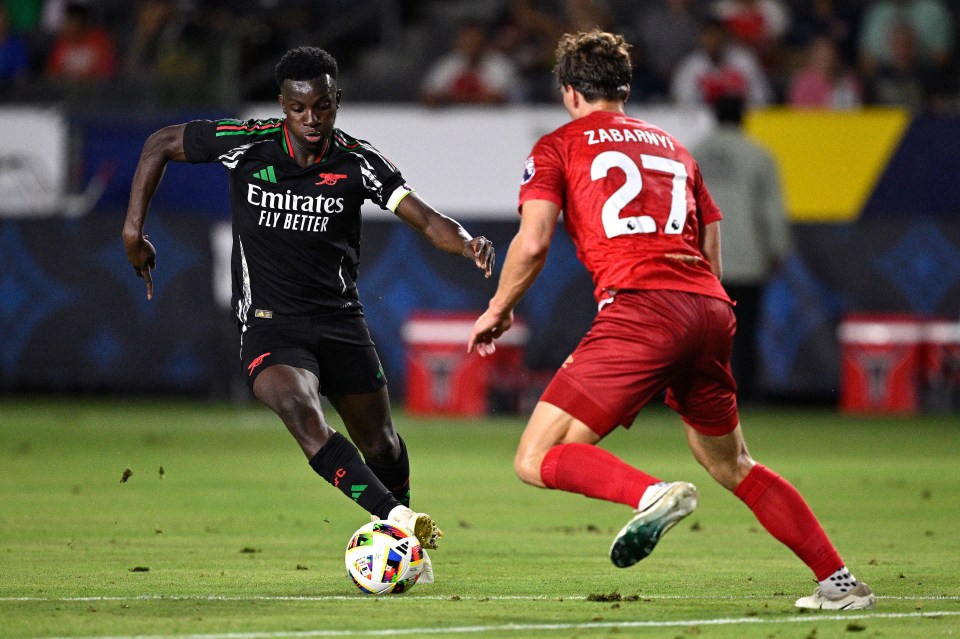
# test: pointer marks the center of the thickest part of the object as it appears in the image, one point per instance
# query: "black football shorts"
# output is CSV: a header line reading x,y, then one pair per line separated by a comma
x,y
337,349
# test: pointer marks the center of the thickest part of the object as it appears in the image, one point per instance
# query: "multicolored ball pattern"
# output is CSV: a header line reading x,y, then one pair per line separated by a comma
x,y
382,559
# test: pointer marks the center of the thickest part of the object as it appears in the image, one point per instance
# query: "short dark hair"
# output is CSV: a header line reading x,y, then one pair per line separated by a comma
x,y
595,63
304,63
729,109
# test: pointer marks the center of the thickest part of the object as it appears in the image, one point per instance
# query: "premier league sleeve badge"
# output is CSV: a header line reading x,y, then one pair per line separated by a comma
x,y
528,170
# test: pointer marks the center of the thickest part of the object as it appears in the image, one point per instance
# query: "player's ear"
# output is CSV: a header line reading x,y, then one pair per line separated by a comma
x,y
339,93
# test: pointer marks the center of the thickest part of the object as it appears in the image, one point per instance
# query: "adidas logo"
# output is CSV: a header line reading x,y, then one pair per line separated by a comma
x,y
267,175
356,490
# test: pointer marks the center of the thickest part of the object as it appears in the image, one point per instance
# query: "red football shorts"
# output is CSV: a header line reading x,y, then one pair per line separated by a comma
x,y
643,342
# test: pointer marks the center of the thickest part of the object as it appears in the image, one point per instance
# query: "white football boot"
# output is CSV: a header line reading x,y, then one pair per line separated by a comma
x,y
426,575
860,597
661,507
420,524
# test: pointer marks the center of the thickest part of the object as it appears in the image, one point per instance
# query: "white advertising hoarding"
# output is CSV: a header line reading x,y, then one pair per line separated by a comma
x,y
469,160
33,160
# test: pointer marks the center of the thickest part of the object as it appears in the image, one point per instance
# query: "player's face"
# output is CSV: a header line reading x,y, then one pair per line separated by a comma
x,y
311,109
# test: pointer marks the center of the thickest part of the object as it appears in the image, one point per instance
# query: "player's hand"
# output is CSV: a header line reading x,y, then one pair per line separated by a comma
x,y
487,328
481,250
143,257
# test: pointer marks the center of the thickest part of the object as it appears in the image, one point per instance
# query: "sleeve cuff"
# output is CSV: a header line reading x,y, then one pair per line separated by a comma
x,y
397,196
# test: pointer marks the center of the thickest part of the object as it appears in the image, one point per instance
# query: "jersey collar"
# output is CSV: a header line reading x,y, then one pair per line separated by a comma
x,y
288,145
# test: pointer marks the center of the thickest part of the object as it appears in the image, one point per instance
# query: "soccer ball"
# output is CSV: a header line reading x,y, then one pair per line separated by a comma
x,y
384,559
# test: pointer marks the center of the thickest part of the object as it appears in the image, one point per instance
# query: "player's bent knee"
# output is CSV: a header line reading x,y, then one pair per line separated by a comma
x,y
296,408
527,468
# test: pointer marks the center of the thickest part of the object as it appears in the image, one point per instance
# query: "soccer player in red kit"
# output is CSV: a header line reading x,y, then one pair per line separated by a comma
x,y
647,229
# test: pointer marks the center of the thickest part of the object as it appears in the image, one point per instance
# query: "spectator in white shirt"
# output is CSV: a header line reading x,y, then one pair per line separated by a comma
x,y
472,73
719,68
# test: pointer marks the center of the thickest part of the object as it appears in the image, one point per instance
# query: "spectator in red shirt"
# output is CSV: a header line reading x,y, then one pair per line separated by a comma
x,y
82,52
754,23
758,25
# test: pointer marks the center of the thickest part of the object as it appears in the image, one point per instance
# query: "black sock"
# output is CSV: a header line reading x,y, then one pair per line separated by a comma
x,y
395,476
339,462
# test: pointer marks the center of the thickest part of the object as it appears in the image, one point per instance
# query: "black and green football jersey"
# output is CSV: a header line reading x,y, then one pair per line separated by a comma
x,y
296,230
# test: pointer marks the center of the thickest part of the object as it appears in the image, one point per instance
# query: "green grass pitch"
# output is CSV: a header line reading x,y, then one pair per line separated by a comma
x,y
236,538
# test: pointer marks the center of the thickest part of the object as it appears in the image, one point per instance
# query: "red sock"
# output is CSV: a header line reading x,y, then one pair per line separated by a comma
x,y
594,472
786,516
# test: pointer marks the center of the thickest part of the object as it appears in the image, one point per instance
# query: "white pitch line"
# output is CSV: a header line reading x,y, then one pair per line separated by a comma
x,y
454,597
517,627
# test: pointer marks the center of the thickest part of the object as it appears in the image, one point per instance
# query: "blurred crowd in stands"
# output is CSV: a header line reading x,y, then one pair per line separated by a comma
x,y
148,55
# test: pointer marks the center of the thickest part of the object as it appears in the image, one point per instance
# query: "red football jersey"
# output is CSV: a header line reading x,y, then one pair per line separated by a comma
x,y
630,195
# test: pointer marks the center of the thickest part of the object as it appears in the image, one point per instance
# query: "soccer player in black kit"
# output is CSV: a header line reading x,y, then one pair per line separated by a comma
x,y
296,187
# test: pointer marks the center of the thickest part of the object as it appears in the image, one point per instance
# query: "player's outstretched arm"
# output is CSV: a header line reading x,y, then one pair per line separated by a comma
x,y
161,147
446,233
525,259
